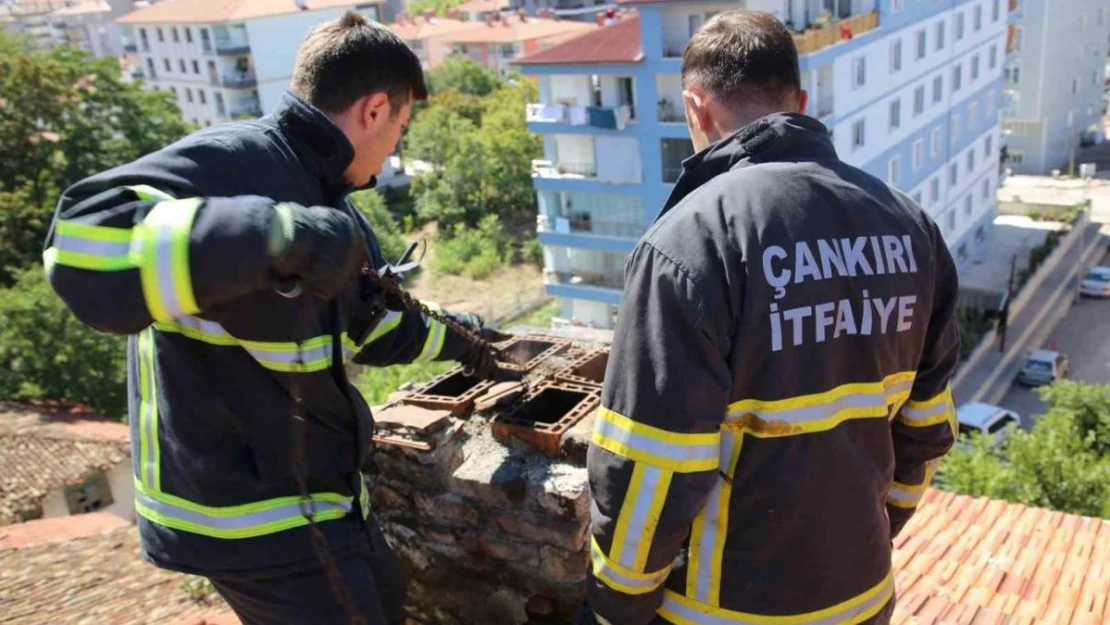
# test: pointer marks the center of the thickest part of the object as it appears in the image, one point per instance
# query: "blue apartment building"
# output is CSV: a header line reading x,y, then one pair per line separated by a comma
x,y
911,91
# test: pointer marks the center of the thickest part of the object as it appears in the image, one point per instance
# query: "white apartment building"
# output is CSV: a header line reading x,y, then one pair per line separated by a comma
x,y
33,19
909,89
90,26
227,59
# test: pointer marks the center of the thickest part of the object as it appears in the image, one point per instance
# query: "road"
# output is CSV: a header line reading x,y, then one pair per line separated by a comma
x,y
1084,335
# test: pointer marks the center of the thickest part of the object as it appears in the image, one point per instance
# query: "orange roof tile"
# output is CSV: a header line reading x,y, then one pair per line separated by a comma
x,y
981,561
101,579
482,6
59,529
423,28
515,29
616,43
216,11
84,8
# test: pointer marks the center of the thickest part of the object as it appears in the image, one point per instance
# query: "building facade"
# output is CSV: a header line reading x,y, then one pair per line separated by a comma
x,y
1055,81
909,89
32,19
224,61
90,26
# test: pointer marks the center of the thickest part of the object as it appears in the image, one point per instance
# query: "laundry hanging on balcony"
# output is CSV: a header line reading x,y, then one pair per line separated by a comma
x,y
578,115
603,117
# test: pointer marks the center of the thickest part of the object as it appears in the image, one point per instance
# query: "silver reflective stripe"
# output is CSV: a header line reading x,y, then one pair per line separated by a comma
x,y
148,414
608,573
390,321
678,453
916,415
902,386
308,355
821,411
433,344
163,254
242,521
92,247
682,609
709,523
638,522
911,499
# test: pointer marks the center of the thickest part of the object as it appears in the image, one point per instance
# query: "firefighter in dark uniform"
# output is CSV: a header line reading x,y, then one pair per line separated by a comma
x,y
232,260
777,397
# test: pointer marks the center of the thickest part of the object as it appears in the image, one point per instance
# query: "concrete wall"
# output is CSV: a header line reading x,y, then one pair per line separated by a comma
x,y
121,482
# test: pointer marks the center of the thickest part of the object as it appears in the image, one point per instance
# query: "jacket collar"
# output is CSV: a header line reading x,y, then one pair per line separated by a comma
x,y
318,142
775,137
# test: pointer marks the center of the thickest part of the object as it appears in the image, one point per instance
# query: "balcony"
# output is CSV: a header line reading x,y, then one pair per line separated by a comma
x,y
231,47
583,278
563,169
129,46
829,33
246,109
584,223
605,117
235,81
670,111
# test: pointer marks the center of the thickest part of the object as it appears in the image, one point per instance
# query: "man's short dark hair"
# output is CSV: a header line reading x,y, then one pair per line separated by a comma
x,y
747,58
348,58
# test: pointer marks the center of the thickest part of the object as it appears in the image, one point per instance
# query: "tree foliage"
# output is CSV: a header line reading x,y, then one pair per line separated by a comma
x,y
1063,463
371,204
459,73
65,116
476,252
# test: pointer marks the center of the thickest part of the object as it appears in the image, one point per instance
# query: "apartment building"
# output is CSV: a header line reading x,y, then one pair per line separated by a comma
x,y
32,19
425,35
498,40
224,59
1055,79
909,89
90,26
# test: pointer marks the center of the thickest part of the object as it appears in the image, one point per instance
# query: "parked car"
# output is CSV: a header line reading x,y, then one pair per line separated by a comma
x,y
986,419
1096,283
1043,366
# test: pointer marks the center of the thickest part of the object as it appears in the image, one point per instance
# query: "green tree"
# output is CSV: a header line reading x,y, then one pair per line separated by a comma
x,y
1061,464
392,241
47,353
461,74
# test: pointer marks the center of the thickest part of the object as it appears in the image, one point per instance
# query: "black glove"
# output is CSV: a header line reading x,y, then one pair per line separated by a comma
x,y
475,359
483,364
475,324
318,247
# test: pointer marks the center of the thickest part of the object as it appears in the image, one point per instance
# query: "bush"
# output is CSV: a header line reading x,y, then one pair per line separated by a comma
x,y
388,233
532,252
476,252
376,383
46,353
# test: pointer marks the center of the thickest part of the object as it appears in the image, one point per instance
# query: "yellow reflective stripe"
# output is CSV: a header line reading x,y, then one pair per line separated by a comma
x,y
631,497
316,352
710,530
149,453
820,412
651,519
161,247
433,344
639,516
619,578
934,411
241,521
908,496
389,322
682,453
682,610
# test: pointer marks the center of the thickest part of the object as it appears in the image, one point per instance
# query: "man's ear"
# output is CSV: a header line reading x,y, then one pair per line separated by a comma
x,y
696,110
373,108
803,101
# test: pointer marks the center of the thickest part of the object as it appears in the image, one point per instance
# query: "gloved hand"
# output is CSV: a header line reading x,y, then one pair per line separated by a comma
x,y
482,363
318,247
477,325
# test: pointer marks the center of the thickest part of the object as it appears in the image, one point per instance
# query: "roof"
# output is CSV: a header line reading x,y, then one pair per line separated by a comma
x,y
58,529
616,43
215,11
84,8
515,29
482,6
422,28
987,562
101,579
976,413
1043,354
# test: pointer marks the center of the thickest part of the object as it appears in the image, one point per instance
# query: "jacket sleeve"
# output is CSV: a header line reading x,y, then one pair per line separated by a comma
x,y
136,244
402,337
925,427
654,455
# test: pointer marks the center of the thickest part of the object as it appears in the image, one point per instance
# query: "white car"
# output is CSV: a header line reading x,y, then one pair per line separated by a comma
x,y
1096,283
986,419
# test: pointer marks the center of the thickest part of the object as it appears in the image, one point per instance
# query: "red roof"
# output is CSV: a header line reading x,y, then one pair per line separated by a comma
x,y
58,529
981,561
616,43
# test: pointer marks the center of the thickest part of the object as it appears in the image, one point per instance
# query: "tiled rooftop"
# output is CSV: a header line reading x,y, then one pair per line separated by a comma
x,y
414,28
100,579
36,463
58,529
482,6
514,29
216,11
616,43
975,561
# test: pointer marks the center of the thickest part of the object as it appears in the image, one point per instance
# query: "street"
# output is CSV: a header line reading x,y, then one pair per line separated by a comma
x,y
1084,336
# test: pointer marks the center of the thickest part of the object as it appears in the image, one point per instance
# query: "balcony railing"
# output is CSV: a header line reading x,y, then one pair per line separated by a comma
x,y
598,116
237,81
564,169
585,223
230,47
583,278
816,39
246,109
129,46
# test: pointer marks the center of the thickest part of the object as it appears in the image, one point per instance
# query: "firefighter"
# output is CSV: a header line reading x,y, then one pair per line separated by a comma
x,y
231,258
778,392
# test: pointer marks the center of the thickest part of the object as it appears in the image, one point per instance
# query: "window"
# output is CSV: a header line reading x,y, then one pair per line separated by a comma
x,y
858,137
188,35
859,72
919,100
977,19
166,63
94,494
1100,17
934,142
1019,37
934,190
896,55
1074,86
203,98
993,63
957,121
957,77
1002,423
996,10
951,221
975,67
1094,78
953,174
674,151
971,160
895,5
968,204
972,116
988,147
1012,74
161,37
940,35
173,90
1017,157
986,188
921,44
938,89
181,65
892,171
918,153
188,94
196,67
959,26
176,37
895,114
